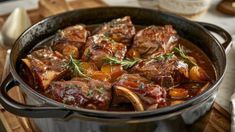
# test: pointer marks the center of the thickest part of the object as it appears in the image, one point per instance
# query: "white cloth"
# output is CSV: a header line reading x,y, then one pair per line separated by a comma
x,y
232,104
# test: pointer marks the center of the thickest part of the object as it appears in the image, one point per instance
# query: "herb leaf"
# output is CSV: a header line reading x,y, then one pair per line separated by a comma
x,y
71,86
90,93
106,34
169,55
141,86
164,57
101,90
125,63
159,58
87,53
74,66
181,52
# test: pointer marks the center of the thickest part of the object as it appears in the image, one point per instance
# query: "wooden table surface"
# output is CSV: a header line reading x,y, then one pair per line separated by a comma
x,y
215,120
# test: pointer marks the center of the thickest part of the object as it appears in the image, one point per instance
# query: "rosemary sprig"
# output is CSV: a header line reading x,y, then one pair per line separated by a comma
x,y
182,53
101,90
125,63
159,58
164,57
169,55
74,66
90,93
142,86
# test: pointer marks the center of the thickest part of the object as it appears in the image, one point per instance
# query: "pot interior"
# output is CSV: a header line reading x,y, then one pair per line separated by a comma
x,y
185,28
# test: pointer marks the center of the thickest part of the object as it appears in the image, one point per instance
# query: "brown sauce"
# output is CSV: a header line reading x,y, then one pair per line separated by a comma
x,y
202,60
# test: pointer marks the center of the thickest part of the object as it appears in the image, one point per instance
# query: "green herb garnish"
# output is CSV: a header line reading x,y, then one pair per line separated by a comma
x,y
125,63
106,37
90,93
164,57
101,90
74,66
141,86
182,53
106,34
69,86
159,58
88,54
169,55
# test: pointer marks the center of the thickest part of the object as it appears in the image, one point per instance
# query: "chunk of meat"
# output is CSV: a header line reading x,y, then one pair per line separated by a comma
x,y
98,47
154,39
121,30
71,40
150,94
45,66
91,94
166,71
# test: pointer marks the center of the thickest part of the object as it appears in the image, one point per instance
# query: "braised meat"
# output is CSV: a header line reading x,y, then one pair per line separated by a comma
x,y
154,39
115,69
91,94
98,47
165,70
71,40
151,95
121,30
45,66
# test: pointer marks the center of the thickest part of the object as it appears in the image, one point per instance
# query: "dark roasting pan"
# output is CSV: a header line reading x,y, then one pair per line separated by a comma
x,y
49,115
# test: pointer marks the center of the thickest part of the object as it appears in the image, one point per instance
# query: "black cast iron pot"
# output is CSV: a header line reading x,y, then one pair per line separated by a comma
x,y
49,115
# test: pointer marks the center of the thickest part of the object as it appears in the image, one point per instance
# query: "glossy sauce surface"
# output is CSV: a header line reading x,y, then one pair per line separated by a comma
x,y
174,96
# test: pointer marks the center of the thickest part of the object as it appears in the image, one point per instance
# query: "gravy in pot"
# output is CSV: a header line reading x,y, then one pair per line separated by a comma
x,y
118,67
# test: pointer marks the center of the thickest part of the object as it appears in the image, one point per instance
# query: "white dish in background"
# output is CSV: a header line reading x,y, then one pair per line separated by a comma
x,y
187,8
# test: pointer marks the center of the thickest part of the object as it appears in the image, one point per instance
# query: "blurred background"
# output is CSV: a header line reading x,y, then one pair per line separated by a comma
x,y
218,12
201,10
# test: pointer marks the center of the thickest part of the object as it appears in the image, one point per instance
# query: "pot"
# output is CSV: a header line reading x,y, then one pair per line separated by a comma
x,y
50,116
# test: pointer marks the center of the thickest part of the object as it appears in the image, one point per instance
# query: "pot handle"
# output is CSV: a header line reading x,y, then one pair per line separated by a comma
x,y
27,110
221,32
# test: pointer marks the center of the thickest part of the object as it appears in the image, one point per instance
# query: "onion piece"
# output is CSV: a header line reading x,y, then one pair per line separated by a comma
x,y
134,99
196,73
176,102
178,93
206,86
153,107
27,62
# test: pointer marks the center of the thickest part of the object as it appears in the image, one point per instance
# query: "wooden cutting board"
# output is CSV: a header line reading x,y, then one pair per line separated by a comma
x,y
227,7
216,120
52,7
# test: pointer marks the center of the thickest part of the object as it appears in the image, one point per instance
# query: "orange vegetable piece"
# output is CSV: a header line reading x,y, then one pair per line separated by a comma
x,y
176,102
114,70
71,50
196,73
88,67
178,93
102,76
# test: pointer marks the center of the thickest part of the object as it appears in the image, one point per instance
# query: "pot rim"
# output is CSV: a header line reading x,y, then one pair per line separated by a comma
x,y
114,114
